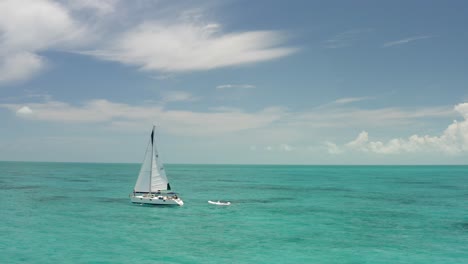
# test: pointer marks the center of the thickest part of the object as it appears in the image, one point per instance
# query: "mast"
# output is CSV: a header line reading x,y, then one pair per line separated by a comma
x,y
152,158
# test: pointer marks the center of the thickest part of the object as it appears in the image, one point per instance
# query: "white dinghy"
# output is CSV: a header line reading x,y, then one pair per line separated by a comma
x,y
219,203
152,186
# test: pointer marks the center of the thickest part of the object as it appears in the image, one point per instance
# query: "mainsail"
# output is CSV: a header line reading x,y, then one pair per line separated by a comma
x,y
152,177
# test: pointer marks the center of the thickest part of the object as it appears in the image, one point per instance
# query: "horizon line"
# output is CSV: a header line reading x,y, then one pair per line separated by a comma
x,y
233,164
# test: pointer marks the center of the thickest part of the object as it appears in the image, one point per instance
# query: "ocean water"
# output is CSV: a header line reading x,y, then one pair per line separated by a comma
x,y
80,213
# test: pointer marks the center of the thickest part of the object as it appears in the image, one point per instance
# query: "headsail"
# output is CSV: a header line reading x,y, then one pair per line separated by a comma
x,y
152,177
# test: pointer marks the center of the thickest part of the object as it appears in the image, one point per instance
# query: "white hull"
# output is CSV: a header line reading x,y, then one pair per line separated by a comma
x,y
219,203
156,200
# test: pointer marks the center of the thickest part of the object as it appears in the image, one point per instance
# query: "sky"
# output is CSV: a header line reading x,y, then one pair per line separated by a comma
x,y
235,82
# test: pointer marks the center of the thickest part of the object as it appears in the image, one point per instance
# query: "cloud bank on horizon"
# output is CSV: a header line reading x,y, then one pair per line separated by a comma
x,y
454,140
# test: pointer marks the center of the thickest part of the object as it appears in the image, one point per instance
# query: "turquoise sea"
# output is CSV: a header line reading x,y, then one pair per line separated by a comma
x,y
80,213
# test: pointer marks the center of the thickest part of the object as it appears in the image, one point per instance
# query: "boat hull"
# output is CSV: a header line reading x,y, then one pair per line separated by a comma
x,y
156,200
219,203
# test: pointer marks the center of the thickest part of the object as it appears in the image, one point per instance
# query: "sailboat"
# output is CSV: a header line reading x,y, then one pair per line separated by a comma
x,y
152,186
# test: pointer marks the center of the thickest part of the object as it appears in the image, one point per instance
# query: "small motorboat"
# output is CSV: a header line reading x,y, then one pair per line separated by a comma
x,y
219,203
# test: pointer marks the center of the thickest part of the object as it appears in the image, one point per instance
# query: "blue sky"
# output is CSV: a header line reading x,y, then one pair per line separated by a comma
x,y
276,82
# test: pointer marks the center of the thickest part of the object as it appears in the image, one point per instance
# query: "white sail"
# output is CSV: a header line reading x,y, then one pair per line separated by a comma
x,y
143,181
152,177
158,177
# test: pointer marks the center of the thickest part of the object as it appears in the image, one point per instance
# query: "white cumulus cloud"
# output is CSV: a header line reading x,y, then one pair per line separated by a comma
x,y
24,111
286,147
28,27
453,140
333,148
19,66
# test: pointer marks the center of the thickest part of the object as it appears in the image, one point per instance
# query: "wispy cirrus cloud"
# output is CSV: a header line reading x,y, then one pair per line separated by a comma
x,y
178,96
281,147
157,37
405,41
345,39
185,46
102,7
235,86
125,116
273,123
348,100
336,117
